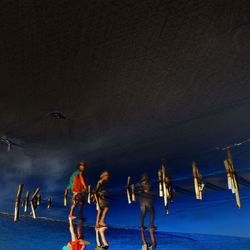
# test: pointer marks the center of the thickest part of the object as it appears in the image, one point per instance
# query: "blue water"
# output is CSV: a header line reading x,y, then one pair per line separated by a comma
x,y
48,235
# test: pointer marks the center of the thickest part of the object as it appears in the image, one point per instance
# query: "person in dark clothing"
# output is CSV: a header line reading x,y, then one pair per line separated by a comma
x,y
146,201
101,194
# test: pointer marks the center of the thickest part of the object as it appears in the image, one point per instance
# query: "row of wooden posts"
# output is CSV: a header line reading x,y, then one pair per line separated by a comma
x,y
165,189
166,185
34,202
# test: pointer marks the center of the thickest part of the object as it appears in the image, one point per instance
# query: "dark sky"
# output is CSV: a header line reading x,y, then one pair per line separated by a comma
x,y
136,80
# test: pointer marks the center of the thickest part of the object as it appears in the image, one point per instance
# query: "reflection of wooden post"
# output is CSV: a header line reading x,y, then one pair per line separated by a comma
x,y
163,169
196,183
49,203
65,201
18,197
232,177
128,190
26,204
89,194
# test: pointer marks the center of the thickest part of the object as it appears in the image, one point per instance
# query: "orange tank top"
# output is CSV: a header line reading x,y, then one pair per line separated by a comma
x,y
75,245
77,185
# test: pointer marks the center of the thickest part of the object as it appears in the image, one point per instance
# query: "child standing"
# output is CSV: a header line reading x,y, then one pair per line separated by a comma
x,y
146,201
101,195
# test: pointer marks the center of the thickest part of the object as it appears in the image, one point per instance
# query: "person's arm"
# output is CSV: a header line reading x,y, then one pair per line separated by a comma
x,y
72,231
98,186
82,179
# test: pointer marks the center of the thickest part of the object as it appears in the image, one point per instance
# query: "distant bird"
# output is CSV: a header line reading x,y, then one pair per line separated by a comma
x,y
57,115
9,142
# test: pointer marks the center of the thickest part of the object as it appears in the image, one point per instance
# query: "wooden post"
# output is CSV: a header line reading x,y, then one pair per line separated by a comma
x,y
232,177
49,203
33,204
65,201
160,183
26,204
89,194
128,190
133,192
196,184
18,197
38,200
163,169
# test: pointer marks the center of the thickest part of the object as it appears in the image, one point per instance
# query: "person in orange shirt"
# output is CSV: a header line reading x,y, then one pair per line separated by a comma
x,y
78,187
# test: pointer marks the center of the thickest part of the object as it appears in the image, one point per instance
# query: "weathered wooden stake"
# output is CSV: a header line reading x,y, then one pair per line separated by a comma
x,y
38,200
26,204
160,183
33,204
89,194
128,190
232,177
133,192
49,203
65,200
18,197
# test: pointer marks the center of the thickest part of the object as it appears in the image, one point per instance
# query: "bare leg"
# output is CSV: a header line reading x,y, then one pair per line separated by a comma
x,y
104,213
104,240
144,242
143,214
97,237
80,221
152,217
72,231
79,229
153,239
98,217
73,206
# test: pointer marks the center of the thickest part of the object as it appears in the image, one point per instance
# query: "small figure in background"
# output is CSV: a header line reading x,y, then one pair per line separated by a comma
x,y
101,195
146,200
78,187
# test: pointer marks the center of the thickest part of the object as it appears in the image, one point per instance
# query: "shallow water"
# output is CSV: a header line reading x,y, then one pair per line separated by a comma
x,y
48,235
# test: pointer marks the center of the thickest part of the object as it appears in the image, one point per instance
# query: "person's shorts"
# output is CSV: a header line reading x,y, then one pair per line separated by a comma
x,y
103,202
146,205
78,198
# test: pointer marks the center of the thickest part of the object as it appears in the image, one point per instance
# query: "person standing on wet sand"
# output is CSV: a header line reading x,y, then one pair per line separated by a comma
x,y
146,200
78,187
101,195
